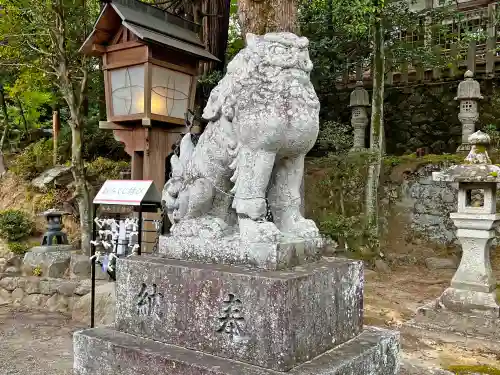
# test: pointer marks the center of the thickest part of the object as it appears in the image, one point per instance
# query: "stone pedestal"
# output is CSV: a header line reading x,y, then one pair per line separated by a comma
x,y
289,252
183,317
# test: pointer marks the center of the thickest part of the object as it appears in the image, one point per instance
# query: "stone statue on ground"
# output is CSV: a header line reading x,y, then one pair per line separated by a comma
x,y
264,119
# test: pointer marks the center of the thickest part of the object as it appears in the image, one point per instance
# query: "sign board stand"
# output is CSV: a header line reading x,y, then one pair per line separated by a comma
x,y
119,197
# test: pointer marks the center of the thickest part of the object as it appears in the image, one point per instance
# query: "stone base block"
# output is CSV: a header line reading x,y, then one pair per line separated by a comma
x,y
479,330
53,260
288,253
272,319
105,351
470,301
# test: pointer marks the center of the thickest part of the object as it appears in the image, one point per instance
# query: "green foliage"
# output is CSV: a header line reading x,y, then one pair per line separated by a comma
x,y
235,42
102,169
15,225
31,101
494,134
33,160
37,271
335,199
19,248
46,201
475,369
392,161
97,143
334,136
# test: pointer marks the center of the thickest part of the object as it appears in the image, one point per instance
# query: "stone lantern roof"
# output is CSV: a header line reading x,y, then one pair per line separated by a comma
x,y
477,165
359,97
469,88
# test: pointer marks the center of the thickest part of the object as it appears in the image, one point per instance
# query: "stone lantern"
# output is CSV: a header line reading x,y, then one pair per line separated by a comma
x,y
54,235
360,100
469,306
468,94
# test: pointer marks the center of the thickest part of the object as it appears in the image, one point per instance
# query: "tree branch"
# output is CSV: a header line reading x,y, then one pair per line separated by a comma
x,y
39,50
23,65
83,86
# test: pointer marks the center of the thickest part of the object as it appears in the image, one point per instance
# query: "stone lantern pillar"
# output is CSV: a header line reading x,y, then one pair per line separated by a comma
x,y
360,100
469,305
468,94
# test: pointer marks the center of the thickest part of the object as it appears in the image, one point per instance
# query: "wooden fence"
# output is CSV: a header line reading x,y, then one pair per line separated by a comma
x,y
483,58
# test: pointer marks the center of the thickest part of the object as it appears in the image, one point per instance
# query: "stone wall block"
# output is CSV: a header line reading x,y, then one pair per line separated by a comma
x,y
35,301
9,283
58,303
17,295
83,287
5,297
49,287
67,288
80,266
105,305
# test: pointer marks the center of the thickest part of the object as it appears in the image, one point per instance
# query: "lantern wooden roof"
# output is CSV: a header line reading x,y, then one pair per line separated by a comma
x,y
148,24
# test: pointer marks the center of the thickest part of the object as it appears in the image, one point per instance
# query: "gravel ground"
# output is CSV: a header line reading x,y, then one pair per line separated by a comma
x,y
35,343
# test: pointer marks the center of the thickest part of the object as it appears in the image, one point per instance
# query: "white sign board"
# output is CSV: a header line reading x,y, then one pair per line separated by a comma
x,y
127,193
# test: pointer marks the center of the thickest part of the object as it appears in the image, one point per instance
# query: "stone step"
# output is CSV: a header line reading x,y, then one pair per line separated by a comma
x,y
105,351
272,319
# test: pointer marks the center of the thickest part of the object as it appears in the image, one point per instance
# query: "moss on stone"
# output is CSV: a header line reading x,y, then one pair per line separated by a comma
x,y
426,159
478,369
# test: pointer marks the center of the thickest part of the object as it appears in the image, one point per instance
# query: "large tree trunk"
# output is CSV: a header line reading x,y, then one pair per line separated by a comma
x,y
82,192
215,30
264,16
73,91
377,124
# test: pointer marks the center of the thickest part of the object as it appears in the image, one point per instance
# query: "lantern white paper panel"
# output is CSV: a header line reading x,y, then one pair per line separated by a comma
x,y
127,90
169,92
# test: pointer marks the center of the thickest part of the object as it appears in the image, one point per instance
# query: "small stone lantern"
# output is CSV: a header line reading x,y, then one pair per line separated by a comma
x,y
473,285
468,94
360,100
54,235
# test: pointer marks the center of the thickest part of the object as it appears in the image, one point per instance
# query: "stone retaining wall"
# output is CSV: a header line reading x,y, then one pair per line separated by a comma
x,y
46,293
63,284
425,204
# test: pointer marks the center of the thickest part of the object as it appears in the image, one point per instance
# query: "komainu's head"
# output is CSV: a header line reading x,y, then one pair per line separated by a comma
x,y
270,57
285,50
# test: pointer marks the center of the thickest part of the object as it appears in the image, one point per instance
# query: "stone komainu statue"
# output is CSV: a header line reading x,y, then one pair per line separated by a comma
x,y
263,120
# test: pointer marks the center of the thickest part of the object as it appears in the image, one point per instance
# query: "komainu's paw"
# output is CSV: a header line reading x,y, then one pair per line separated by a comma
x,y
258,231
300,227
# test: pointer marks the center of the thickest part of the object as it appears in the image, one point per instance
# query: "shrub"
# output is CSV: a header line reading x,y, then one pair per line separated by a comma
x,y
102,169
96,142
35,159
19,248
46,201
15,225
334,136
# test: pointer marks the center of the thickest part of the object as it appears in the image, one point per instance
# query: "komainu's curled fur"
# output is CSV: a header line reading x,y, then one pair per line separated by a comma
x,y
263,119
